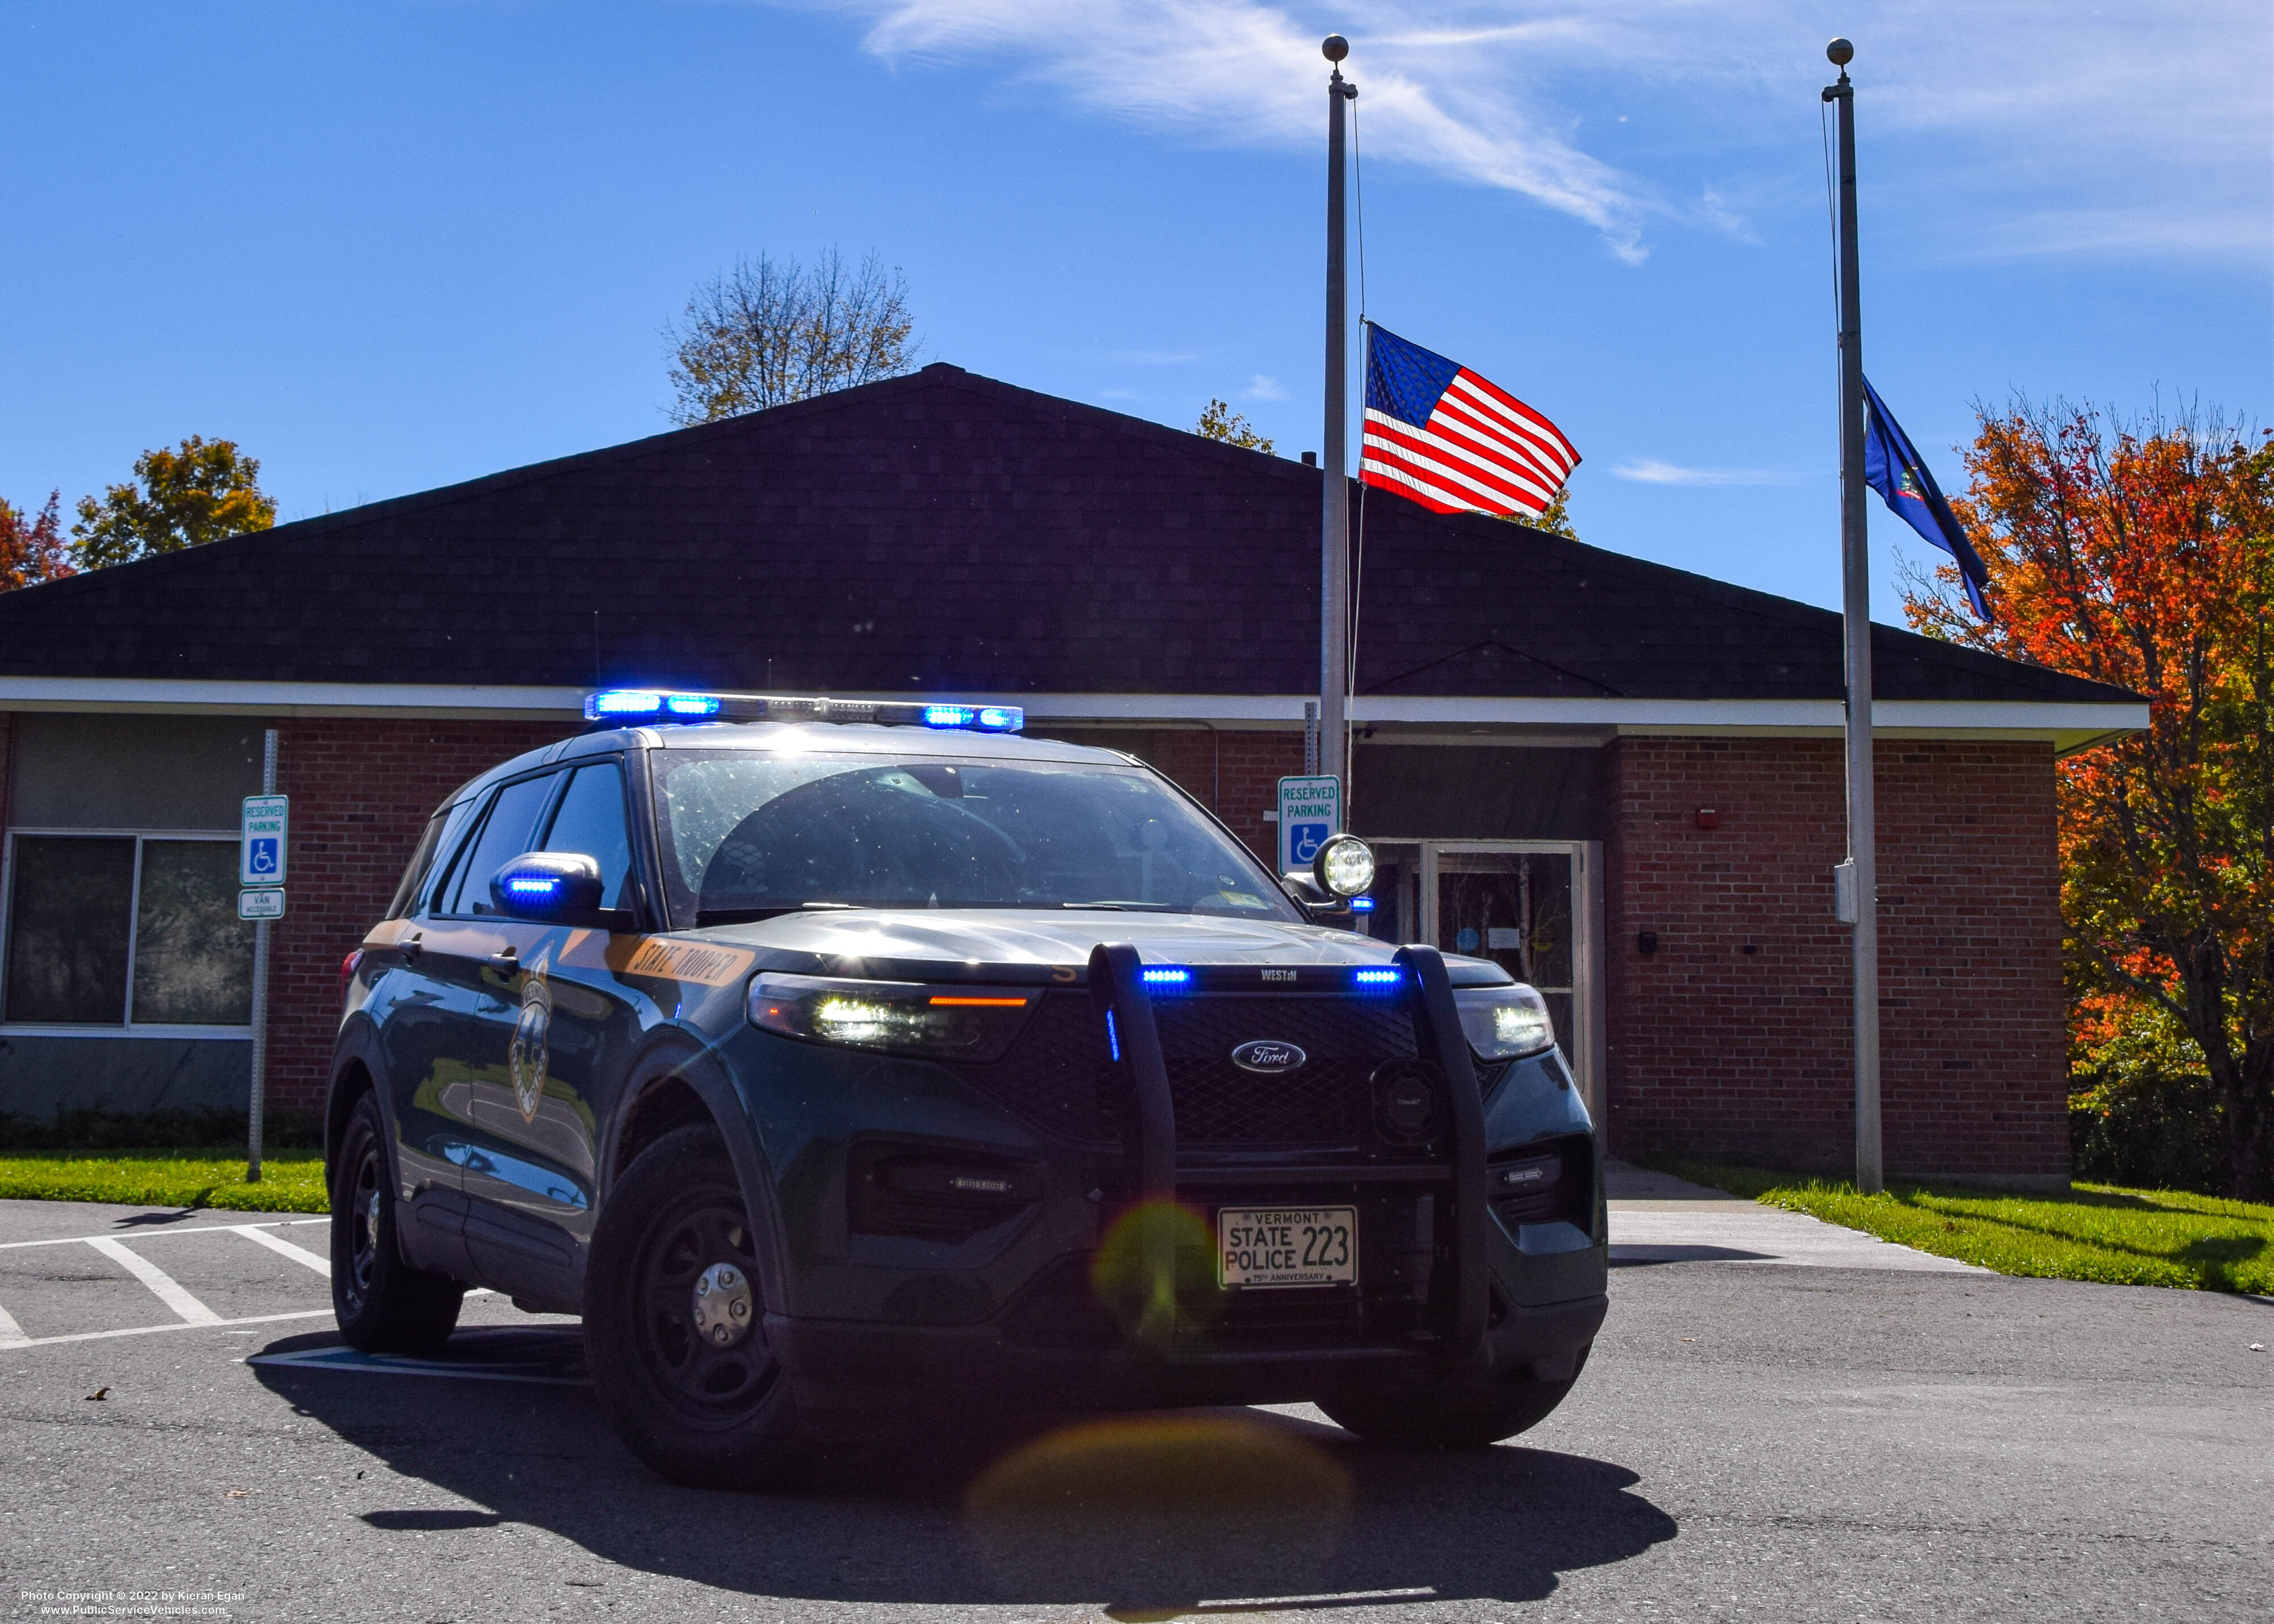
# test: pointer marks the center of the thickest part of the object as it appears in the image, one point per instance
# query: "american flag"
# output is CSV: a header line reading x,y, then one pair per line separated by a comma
x,y
1450,440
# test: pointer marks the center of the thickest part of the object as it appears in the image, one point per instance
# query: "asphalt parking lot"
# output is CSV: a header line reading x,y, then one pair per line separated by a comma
x,y
1776,1424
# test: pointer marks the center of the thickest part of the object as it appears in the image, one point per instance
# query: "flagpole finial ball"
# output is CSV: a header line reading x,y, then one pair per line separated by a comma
x,y
1842,52
1334,47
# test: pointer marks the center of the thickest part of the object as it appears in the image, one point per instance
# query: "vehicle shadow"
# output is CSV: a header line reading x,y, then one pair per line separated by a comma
x,y
1149,1515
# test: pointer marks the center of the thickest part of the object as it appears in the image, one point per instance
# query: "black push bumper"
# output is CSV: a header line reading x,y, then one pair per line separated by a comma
x,y
846,1369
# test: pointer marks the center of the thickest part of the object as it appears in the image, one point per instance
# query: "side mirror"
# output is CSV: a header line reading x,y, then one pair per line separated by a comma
x,y
550,888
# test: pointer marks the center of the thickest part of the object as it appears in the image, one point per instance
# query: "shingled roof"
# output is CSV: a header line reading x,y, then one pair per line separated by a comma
x,y
944,532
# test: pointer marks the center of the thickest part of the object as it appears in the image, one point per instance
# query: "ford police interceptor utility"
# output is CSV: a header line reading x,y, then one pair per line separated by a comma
x,y
828,1056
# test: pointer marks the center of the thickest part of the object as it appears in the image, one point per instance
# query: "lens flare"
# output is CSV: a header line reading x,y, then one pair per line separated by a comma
x,y
1155,1511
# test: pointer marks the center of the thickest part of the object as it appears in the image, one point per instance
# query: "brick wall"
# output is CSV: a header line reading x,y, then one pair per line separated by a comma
x,y
362,790
7,758
1732,1039
1234,773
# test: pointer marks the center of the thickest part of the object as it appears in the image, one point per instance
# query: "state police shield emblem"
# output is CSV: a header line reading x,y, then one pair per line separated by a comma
x,y
526,1058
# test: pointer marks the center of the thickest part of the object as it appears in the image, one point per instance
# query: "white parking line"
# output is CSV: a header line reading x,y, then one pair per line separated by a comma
x,y
167,1290
284,1248
147,1330
158,1233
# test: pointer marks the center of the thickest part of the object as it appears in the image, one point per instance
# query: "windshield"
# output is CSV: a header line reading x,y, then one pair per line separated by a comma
x,y
746,836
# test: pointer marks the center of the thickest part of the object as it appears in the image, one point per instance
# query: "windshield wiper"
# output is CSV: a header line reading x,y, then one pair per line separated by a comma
x,y
745,916
1120,907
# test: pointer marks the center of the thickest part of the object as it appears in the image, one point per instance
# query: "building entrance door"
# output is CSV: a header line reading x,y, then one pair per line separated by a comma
x,y
1534,907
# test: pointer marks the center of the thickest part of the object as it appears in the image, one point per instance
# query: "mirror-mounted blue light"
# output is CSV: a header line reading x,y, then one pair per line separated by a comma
x,y
532,884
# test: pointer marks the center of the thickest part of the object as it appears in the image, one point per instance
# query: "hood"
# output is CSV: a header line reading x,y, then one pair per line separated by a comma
x,y
921,941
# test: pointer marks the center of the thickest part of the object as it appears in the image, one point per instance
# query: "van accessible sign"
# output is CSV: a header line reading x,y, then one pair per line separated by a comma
x,y
1310,811
260,840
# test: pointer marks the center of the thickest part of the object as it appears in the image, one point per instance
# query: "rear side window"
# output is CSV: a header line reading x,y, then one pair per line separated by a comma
x,y
422,859
591,821
506,833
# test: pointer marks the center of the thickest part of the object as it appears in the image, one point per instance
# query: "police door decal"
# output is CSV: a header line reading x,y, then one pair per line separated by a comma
x,y
526,1059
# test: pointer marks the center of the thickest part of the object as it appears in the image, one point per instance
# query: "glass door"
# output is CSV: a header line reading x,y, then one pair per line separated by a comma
x,y
1515,909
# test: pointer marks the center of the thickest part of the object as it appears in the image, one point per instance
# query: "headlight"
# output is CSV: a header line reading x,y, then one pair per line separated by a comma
x,y
1503,1022
906,1018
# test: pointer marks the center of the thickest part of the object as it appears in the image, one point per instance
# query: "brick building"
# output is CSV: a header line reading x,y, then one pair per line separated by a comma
x,y
1622,780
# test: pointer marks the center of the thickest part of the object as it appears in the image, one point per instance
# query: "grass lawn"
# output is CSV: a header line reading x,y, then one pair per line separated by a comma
x,y
291,1181
2128,1238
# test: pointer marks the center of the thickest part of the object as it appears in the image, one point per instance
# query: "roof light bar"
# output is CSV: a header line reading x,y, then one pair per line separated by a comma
x,y
637,705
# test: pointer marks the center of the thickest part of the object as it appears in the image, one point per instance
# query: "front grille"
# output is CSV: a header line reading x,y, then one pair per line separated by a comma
x,y
1059,1075
1327,1102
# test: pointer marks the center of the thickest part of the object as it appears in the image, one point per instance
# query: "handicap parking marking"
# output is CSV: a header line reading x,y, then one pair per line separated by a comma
x,y
191,1312
164,1286
545,1356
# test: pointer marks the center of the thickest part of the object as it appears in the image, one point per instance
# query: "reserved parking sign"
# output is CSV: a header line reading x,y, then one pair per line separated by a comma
x,y
260,840
1310,812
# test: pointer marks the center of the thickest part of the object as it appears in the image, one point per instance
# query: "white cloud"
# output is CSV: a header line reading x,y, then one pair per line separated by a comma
x,y
2026,127
1650,471
1263,387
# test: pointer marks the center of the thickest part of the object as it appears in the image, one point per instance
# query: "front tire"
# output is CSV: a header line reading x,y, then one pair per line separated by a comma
x,y
675,1328
382,1304
1470,1419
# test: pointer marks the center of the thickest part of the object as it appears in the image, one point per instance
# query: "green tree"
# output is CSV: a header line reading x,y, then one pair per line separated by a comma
x,y
32,548
772,331
1220,422
200,492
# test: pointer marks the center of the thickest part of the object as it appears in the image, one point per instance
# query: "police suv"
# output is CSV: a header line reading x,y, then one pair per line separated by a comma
x,y
830,1057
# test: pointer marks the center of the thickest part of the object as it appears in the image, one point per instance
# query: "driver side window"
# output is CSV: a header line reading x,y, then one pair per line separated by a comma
x,y
506,833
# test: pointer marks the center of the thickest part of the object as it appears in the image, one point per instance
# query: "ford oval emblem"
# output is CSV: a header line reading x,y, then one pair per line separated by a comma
x,y
1266,1054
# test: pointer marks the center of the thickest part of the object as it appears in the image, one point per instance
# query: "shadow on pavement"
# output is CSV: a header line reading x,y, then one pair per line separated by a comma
x,y
1150,1515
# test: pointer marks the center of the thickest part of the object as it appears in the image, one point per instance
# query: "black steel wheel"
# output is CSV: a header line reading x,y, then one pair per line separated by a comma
x,y
674,1327
382,1304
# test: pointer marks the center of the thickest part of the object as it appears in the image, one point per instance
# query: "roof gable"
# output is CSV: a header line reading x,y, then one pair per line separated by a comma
x,y
943,531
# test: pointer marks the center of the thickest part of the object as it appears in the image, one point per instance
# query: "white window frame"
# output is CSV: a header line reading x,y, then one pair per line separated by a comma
x,y
127,1028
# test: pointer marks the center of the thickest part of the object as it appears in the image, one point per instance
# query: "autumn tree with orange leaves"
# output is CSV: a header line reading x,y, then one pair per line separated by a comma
x,y
2141,554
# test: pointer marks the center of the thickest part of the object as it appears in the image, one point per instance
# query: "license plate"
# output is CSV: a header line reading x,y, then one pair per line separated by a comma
x,y
1286,1246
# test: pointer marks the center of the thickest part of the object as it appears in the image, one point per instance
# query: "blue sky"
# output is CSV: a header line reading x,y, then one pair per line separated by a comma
x,y
389,245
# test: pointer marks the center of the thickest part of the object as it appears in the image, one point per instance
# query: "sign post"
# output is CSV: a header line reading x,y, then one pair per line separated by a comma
x,y
261,843
1310,813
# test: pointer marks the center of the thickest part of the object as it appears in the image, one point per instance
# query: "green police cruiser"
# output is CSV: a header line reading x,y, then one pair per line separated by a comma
x,y
833,1059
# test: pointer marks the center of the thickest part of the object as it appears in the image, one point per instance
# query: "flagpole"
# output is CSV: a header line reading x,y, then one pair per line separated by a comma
x,y
1856,595
1334,535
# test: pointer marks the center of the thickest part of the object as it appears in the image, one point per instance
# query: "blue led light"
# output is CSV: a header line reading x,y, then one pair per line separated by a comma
x,y
1001,718
532,885
624,702
1377,978
694,704
1166,975
1113,1038
1361,905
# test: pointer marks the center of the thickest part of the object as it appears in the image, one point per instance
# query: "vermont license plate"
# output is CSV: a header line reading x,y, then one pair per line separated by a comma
x,y
1286,1246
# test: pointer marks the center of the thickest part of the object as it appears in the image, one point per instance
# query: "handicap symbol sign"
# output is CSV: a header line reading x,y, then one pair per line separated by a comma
x,y
261,858
1304,839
